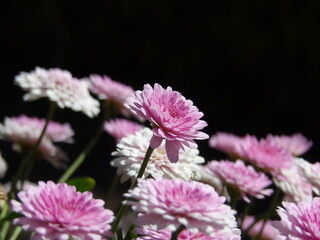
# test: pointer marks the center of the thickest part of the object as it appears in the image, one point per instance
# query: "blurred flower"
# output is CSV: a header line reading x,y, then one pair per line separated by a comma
x,y
227,143
299,221
241,178
297,144
3,166
311,172
207,177
119,128
24,132
58,211
173,118
265,154
112,92
60,87
149,233
268,232
172,203
292,183
131,151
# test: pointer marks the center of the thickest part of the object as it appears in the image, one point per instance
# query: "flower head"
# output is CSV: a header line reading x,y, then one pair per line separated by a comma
x,y
119,128
58,211
173,117
311,172
297,144
149,233
268,233
226,142
112,92
24,132
60,87
172,203
243,179
132,149
293,183
299,221
265,154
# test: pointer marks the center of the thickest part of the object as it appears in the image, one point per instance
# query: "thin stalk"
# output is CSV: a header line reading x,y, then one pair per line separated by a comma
x,y
129,232
6,225
124,208
273,205
30,156
16,233
176,233
82,156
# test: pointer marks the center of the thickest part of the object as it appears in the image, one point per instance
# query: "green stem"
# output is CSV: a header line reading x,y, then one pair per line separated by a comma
x,y
272,207
176,233
124,208
16,233
112,188
129,232
82,156
6,225
30,156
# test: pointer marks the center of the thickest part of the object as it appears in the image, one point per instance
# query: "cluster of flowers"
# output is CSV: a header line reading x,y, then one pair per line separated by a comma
x,y
175,193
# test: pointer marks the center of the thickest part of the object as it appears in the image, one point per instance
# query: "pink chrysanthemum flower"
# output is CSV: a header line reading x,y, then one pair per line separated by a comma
x,y
112,92
299,221
58,211
3,166
132,149
227,143
241,178
172,203
173,117
149,233
60,87
293,183
265,154
119,128
311,172
297,144
24,132
268,232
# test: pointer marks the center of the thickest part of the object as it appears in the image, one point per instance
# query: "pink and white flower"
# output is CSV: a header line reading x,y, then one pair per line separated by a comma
x,y
268,232
296,144
241,178
119,128
112,92
292,182
173,117
131,151
265,154
60,87
24,132
311,172
149,233
172,203
299,221
227,143
58,211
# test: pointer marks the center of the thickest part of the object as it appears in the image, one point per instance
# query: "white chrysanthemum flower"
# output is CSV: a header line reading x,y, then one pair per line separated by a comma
x,y
60,87
311,172
293,183
132,149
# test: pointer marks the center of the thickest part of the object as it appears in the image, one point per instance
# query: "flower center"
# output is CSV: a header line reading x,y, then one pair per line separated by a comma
x,y
173,111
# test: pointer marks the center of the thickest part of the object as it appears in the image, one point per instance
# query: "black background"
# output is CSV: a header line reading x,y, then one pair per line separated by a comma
x,y
250,66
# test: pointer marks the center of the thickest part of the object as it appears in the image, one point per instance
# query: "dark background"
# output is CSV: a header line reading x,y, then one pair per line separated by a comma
x,y
250,66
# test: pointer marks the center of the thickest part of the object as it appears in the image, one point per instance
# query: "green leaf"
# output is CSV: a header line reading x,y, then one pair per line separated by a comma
x,y
82,184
